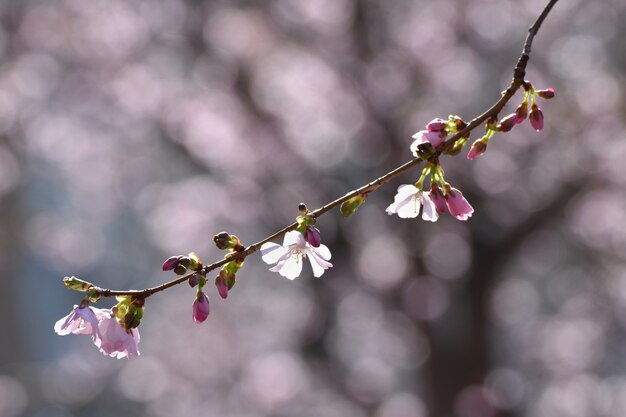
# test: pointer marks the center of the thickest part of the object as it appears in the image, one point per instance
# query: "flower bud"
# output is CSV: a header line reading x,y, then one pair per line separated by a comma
x,y
478,148
180,270
437,198
521,112
507,123
348,207
171,263
312,236
222,286
193,280
436,125
536,117
548,93
77,284
200,307
222,240
302,207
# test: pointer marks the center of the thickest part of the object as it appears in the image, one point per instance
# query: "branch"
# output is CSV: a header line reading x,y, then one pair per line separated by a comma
x,y
519,73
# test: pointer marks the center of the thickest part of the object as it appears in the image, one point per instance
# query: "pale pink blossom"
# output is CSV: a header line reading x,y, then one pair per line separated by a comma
x,y
201,307
408,201
116,341
436,125
81,320
424,136
289,257
458,205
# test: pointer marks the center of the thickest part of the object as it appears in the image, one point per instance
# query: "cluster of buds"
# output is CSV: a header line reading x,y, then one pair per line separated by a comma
x,y
508,122
181,264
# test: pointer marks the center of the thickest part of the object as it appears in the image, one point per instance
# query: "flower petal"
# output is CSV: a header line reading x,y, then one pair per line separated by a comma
x,y
409,208
318,264
429,212
271,252
290,268
322,251
294,238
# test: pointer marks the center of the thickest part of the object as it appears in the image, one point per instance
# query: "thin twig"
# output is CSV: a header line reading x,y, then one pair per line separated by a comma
x,y
518,80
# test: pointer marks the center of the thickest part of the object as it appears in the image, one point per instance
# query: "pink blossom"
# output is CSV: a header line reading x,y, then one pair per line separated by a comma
x,y
81,320
201,307
288,257
458,205
115,340
536,117
408,201
436,125
424,136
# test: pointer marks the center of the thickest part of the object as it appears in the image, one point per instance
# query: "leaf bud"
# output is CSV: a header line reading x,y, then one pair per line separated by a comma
x,y
348,207
77,284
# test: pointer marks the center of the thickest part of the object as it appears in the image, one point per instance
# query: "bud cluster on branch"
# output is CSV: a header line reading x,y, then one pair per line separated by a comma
x,y
114,331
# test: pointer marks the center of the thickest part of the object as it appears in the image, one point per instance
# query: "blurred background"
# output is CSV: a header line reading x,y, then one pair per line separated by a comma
x,y
132,131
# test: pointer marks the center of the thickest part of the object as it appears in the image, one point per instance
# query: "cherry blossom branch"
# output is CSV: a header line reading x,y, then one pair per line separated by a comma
x,y
492,113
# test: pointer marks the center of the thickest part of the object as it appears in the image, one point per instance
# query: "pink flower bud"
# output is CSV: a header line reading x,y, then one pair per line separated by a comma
x,y
458,205
478,148
312,236
548,93
194,280
171,263
536,117
507,123
200,308
436,125
222,286
521,112
437,198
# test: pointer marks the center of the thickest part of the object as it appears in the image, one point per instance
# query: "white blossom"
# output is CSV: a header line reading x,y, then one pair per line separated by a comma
x,y
407,202
289,257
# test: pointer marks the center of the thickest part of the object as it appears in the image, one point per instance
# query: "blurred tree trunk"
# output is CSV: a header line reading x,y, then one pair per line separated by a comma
x,y
464,359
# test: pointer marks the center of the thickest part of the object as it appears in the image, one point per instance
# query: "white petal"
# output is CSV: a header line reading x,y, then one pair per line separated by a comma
x,y
322,251
271,252
294,238
289,268
415,144
318,264
429,213
405,190
409,208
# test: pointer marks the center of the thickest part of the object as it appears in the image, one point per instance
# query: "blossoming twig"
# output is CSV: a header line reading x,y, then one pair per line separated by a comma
x,y
114,330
